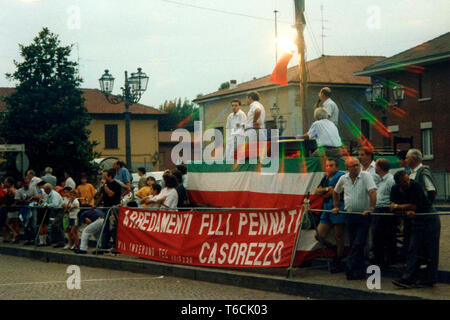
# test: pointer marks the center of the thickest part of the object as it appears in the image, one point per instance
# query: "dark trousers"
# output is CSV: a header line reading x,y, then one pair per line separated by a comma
x,y
358,229
407,225
110,229
56,228
384,242
423,247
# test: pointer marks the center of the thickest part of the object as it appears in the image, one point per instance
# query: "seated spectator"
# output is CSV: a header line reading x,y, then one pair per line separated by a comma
x,y
94,219
408,198
149,201
326,135
86,193
330,221
168,198
144,192
142,179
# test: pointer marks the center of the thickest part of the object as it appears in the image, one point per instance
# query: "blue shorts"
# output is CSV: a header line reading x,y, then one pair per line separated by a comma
x,y
329,218
73,222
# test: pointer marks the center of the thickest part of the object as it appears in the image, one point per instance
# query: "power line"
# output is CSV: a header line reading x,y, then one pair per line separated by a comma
x,y
224,11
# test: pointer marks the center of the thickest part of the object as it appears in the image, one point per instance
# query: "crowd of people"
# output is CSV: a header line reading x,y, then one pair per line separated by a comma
x,y
38,211
367,203
376,208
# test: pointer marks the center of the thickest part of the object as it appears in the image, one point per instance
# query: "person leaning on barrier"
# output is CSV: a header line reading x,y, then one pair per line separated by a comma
x,y
24,197
94,219
421,174
12,221
53,202
366,158
111,198
360,195
326,135
181,191
330,221
384,227
408,198
401,155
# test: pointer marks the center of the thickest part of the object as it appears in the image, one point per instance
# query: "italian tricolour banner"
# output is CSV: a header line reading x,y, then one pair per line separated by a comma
x,y
242,238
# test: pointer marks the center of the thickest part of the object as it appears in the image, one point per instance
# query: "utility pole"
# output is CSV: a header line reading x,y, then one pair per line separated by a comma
x,y
300,24
323,30
276,60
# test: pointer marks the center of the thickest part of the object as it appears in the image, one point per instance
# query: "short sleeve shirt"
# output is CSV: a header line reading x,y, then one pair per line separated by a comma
x,y
356,195
332,110
326,133
414,195
115,199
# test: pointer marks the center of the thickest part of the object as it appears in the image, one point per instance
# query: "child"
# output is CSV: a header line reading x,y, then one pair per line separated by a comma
x,y
72,207
149,202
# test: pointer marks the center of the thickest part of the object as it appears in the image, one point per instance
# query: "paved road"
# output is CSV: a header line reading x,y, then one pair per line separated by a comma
x,y
22,278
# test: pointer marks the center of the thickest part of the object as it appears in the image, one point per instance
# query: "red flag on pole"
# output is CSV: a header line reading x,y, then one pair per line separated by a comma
x,y
279,74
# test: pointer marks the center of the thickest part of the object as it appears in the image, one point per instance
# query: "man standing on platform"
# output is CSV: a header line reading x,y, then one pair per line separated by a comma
x,y
234,129
329,105
360,195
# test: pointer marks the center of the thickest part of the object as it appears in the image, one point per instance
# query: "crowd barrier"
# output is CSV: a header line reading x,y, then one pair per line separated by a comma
x,y
304,209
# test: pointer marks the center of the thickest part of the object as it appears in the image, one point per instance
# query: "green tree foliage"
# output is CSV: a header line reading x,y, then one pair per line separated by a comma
x,y
46,112
224,85
179,115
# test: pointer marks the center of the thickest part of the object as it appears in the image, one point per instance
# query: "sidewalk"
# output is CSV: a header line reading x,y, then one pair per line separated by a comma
x,y
314,282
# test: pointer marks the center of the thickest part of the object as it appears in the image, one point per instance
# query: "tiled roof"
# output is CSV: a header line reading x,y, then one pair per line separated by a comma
x,y
326,69
436,48
96,103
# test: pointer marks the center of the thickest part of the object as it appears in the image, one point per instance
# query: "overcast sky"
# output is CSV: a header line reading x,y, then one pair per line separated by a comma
x,y
189,47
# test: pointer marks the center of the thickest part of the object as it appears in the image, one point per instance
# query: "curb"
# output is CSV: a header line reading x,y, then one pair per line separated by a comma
x,y
251,281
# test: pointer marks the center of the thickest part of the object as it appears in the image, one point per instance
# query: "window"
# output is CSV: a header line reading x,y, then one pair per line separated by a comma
x,y
365,128
425,86
111,140
427,140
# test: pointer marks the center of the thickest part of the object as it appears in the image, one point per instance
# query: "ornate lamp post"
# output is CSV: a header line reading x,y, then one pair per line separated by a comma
x,y
399,94
375,95
133,89
281,124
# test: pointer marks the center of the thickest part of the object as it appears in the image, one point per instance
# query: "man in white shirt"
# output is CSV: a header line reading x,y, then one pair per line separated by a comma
x,y
421,174
329,105
256,114
69,181
360,195
54,201
384,243
234,129
33,179
365,156
326,135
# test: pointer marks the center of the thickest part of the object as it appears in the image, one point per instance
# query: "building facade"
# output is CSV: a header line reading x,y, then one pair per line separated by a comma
x,y
335,72
108,129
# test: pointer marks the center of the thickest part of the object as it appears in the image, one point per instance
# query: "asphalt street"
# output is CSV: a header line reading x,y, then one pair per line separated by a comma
x,y
25,279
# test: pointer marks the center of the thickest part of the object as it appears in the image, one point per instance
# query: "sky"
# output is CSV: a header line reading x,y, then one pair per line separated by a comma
x,y
189,47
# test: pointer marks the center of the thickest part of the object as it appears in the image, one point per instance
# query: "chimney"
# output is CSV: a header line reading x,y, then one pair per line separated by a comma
x,y
233,84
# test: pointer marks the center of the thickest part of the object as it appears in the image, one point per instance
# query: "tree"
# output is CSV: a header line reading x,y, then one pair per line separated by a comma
x,y
46,112
179,115
224,85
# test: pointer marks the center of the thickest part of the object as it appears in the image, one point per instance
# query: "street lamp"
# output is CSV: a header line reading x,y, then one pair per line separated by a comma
x,y
281,124
398,92
375,95
274,111
134,88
